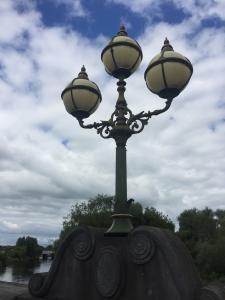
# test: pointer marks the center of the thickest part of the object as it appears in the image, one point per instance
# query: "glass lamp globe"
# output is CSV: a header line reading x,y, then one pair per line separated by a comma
x,y
168,73
122,55
82,96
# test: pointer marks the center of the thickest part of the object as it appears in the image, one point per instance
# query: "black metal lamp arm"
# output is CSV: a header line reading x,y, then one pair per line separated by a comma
x,y
137,122
159,111
103,128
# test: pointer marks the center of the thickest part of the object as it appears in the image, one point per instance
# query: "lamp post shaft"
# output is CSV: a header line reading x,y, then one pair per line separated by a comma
x,y
121,180
121,136
121,219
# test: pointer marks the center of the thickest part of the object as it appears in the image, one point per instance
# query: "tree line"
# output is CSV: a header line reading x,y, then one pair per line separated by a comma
x,y
25,251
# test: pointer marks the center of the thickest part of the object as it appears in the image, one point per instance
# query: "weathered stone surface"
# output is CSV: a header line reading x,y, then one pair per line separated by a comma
x,y
141,247
108,271
148,264
213,291
8,290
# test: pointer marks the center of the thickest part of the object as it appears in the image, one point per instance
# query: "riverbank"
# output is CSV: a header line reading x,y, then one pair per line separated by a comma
x,y
20,273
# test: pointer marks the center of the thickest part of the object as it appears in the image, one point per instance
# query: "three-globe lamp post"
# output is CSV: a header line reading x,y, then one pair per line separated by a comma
x,y
167,75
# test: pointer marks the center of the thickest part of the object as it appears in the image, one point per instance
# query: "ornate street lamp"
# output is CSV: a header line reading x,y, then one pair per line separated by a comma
x,y
146,262
167,75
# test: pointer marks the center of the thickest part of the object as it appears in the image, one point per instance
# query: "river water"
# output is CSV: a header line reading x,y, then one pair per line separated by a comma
x,y
22,273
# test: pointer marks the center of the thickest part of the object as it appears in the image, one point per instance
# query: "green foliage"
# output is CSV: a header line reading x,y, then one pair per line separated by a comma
x,y
97,212
21,241
17,254
26,249
211,257
152,217
203,231
199,224
3,259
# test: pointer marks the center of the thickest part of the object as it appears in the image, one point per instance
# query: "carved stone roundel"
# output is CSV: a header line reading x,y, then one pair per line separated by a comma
x,y
82,244
141,247
36,282
108,272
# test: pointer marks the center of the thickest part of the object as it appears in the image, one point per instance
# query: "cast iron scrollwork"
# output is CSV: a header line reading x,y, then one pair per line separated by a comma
x,y
103,128
123,118
137,122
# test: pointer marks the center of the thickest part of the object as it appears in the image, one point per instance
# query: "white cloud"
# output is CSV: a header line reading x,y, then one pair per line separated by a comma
x,y
138,6
22,22
176,163
10,225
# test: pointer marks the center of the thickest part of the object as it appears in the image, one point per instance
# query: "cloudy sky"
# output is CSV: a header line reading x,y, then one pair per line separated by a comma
x,y
48,163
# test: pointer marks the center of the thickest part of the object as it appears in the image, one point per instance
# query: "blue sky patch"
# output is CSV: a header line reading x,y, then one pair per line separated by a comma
x,y
65,142
171,14
213,22
45,128
102,18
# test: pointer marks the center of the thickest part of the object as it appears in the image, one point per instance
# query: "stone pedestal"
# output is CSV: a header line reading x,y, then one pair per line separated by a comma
x,y
148,264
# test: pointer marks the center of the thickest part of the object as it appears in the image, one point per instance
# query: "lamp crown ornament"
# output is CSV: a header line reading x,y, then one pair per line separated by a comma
x,y
122,30
83,74
167,46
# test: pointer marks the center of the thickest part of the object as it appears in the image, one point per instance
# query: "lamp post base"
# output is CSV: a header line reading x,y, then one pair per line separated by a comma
x,y
121,225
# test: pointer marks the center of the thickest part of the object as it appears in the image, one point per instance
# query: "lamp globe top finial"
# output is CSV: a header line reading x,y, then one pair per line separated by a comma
x,y
83,74
167,46
122,30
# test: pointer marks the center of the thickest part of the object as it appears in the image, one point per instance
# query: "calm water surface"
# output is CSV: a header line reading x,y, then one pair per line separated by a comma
x,y
22,273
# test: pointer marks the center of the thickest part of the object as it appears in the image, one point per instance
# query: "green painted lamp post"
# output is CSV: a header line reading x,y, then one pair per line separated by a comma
x,y
123,263
167,75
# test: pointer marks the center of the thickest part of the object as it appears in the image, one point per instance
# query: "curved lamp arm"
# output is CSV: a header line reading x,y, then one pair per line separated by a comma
x,y
103,128
137,122
88,126
159,111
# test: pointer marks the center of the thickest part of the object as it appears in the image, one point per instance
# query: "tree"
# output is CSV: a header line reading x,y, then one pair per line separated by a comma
x,y
21,242
32,247
152,217
3,259
197,224
219,216
97,212
26,248
203,231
